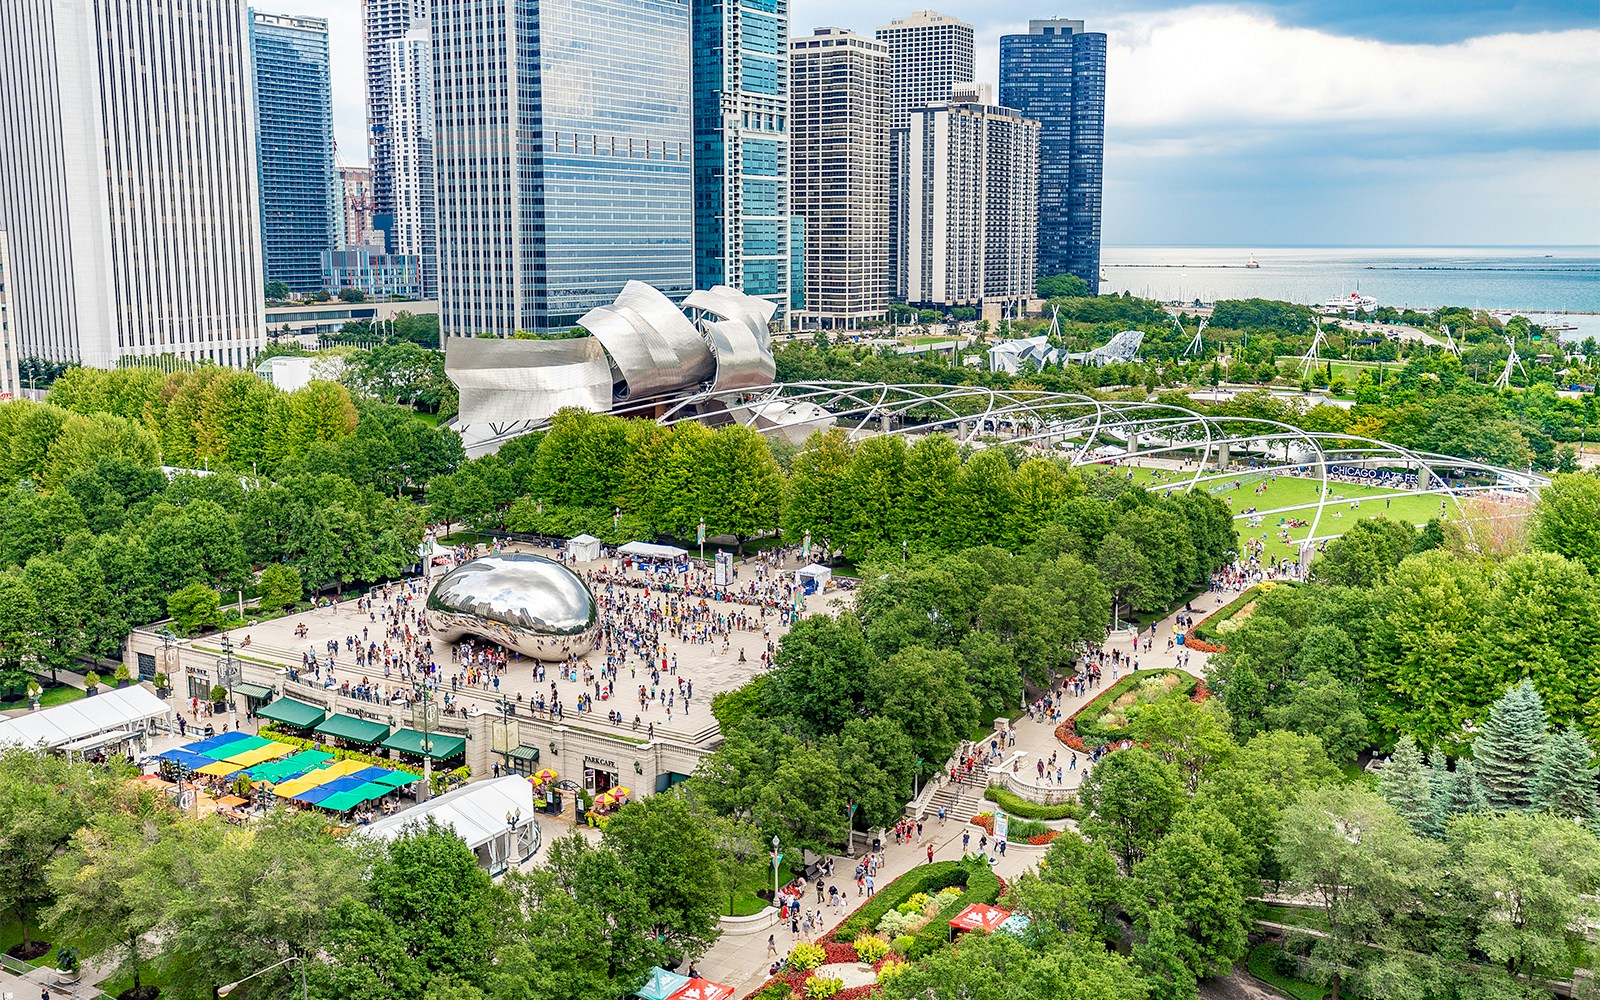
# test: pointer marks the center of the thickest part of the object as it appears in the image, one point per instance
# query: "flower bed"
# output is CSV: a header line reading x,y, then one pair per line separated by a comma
x,y
1083,732
1018,831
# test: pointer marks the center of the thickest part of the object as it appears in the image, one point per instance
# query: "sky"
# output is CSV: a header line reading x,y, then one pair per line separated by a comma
x,y
1310,123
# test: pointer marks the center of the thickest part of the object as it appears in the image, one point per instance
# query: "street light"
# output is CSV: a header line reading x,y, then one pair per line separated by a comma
x,y
507,710
223,991
425,702
776,857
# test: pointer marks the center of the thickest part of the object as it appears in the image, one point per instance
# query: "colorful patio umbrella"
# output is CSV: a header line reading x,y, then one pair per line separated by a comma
x,y
703,989
661,984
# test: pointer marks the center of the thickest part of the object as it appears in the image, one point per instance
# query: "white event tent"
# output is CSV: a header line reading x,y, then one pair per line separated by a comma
x,y
494,817
584,548
90,723
650,550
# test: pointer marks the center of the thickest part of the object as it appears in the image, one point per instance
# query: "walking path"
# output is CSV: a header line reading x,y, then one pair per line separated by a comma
x,y
742,960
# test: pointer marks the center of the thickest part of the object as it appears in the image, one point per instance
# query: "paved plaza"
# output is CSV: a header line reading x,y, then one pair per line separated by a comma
x,y
712,666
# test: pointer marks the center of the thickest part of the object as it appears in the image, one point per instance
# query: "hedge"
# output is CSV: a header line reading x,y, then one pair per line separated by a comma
x,y
982,886
1206,628
1015,805
1086,720
925,878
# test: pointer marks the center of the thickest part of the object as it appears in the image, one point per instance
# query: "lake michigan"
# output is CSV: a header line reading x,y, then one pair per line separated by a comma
x,y
1535,281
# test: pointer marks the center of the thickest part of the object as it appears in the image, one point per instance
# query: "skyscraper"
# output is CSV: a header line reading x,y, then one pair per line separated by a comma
x,y
408,143
1056,73
358,228
10,381
741,147
129,186
839,173
382,21
929,54
564,154
300,191
972,218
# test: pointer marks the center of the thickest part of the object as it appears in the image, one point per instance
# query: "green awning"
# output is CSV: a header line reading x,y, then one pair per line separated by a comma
x,y
410,741
291,713
397,779
526,753
258,691
340,801
289,767
373,790
348,727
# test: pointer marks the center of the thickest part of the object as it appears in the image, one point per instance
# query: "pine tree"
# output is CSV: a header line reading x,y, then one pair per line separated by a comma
x,y
1441,785
1467,795
1509,749
1565,784
1404,782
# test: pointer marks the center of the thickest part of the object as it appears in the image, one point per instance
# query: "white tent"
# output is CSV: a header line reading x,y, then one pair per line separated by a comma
x,y
816,573
650,550
478,814
584,548
126,712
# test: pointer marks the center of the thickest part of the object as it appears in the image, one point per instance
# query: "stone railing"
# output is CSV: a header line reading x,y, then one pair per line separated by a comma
x,y
1044,795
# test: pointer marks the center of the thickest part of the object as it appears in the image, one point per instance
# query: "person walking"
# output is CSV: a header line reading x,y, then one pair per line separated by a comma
x,y
966,840
772,946
930,854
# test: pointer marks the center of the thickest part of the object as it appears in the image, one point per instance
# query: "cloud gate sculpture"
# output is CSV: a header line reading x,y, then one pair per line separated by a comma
x,y
528,603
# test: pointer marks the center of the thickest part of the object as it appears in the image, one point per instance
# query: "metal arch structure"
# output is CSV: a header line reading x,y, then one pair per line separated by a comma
x,y
1090,431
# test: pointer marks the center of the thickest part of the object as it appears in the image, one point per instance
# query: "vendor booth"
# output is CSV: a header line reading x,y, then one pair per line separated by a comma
x,y
584,548
814,578
108,721
650,556
495,818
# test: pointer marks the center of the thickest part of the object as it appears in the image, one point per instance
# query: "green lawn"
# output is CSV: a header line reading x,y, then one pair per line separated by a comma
x,y
11,936
1289,491
1297,916
1261,967
745,901
60,695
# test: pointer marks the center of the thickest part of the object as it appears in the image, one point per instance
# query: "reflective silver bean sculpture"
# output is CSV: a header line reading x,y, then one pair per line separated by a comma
x,y
523,602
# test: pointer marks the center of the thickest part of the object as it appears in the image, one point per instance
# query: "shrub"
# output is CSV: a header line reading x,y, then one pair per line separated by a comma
x,y
773,991
902,944
1018,831
870,948
890,969
898,922
806,956
821,987
1018,806
925,878
91,680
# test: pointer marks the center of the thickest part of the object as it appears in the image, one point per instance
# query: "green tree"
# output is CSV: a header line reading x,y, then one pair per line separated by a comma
x,y
1061,286
876,759
1528,882
277,290
1002,965
674,862
1509,749
1132,796
820,673
925,693
1127,573
1187,879
1365,553
280,587
1328,708
1078,889
1565,783
801,801
1189,734
817,503
1352,853
1568,519
194,608
746,482
1404,782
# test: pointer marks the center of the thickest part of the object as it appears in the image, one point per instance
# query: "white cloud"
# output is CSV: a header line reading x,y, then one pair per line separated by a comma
x,y
1196,68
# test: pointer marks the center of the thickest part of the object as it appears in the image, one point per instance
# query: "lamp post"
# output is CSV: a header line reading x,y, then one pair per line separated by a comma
x,y
223,991
776,857
424,701
507,710
169,644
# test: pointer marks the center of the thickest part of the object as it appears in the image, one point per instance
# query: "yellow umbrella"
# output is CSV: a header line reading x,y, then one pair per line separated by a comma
x,y
546,775
606,798
623,793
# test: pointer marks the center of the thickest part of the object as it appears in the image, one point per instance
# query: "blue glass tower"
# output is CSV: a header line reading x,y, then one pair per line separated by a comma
x,y
300,189
564,157
741,146
1057,74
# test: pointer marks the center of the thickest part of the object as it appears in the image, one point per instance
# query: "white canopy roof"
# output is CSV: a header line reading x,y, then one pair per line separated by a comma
x,y
650,550
131,708
816,571
476,812
582,540
584,548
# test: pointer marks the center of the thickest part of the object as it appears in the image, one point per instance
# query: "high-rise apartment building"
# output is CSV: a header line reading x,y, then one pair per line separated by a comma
x,y
300,191
564,152
10,380
129,186
741,146
970,225
839,173
358,228
929,54
1056,73
408,140
382,21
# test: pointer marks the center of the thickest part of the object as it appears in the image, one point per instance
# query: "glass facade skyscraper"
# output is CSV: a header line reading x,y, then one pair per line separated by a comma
x,y
741,146
300,190
564,157
1057,74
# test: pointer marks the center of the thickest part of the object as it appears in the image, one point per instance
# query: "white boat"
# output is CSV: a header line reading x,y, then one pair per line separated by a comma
x,y
1252,262
1351,303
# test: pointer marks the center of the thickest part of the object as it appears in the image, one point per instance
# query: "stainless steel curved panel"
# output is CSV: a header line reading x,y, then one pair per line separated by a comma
x,y
506,381
523,602
742,363
653,346
730,303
